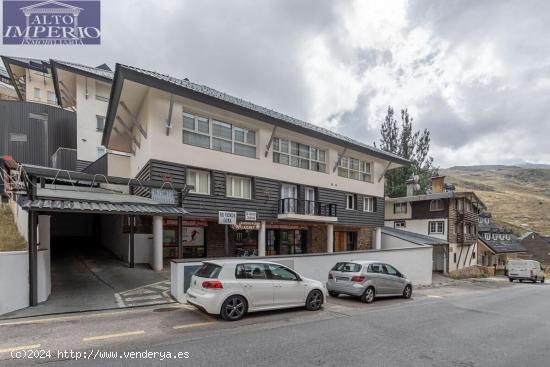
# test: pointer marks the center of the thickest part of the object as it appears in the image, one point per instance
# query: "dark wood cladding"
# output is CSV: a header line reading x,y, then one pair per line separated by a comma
x,y
99,166
64,159
421,210
265,196
47,128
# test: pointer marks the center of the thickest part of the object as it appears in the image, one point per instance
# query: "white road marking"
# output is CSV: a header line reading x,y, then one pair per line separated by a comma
x,y
143,298
23,347
110,336
189,326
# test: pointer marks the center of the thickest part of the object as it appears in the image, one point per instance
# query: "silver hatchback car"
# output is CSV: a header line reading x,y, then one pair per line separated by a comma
x,y
367,279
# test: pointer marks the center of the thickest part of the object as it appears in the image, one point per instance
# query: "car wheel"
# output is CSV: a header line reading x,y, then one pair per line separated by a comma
x,y
534,280
234,308
368,295
407,293
511,280
333,294
314,300
542,280
521,280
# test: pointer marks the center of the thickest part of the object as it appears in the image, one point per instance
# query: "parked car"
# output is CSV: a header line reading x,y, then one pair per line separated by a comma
x,y
525,270
231,288
367,279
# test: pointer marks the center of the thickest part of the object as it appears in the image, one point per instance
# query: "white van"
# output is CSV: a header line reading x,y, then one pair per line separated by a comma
x,y
525,270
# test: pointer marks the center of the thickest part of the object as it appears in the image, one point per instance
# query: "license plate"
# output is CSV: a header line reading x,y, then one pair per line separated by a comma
x,y
341,279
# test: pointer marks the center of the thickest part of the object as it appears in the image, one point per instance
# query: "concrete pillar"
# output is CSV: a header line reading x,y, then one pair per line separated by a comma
x,y
330,237
157,243
378,239
44,232
261,239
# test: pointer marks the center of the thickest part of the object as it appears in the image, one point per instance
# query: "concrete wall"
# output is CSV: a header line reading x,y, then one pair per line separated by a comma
x,y
414,262
118,243
14,279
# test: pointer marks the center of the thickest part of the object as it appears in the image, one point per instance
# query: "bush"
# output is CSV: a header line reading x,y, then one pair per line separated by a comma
x,y
475,271
10,239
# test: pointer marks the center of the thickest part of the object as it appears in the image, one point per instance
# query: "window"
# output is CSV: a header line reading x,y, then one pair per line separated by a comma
x,y
436,205
400,208
298,155
279,272
487,236
347,267
375,268
354,168
238,187
208,270
101,151
17,137
51,97
350,201
199,179
368,204
250,271
495,237
436,227
473,254
218,135
399,224
36,92
454,257
100,123
388,269
508,237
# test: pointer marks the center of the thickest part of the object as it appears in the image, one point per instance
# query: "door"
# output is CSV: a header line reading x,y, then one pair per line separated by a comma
x,y
289,289
379,278
309,204
290,195
254,282
396,284
340,241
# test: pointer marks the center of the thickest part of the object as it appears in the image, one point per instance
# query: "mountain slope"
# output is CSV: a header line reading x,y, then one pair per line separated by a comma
x,y
518,197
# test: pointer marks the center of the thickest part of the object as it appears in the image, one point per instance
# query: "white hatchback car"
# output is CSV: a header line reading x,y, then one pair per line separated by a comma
x,y
231,288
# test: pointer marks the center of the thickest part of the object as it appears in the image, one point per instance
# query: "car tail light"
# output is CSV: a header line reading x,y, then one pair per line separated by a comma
x,y
330,276
212,284
358,278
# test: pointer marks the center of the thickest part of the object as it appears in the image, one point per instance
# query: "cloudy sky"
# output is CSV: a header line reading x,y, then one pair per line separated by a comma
x,y
475,73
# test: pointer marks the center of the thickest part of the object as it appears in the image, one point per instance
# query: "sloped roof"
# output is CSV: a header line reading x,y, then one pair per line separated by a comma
x,y
163,82
416,238
102,72
503,246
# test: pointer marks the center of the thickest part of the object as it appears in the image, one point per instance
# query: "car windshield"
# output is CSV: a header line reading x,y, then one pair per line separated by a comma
x,y
347,267
208,270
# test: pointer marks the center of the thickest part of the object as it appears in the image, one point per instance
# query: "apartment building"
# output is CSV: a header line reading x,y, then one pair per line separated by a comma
x,y
444,214
296,188
496,245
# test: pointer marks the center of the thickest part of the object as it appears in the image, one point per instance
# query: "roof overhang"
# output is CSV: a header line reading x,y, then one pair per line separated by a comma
x,y
123,74
16,68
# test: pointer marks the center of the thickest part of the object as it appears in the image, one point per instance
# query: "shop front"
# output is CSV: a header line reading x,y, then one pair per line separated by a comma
x,y
193,239
286,239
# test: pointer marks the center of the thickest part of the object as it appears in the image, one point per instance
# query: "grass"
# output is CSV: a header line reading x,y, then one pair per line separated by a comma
x,y
518,198
10,239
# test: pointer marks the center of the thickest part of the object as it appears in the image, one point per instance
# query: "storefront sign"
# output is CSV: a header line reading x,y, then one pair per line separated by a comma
x,y
246,226
227,217
186,223
285,226
250,215
163,196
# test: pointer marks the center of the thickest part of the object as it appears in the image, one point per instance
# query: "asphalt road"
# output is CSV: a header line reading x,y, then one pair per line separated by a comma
x,y
468,324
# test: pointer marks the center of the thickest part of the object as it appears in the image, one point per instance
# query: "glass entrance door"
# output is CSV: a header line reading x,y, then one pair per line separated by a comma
x,y
309,205
289,194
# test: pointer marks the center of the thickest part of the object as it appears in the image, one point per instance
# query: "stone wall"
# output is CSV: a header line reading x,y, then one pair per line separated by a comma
x,y
318,239
365,238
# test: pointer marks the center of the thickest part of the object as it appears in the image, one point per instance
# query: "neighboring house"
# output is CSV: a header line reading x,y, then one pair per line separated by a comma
x,y
32,79
443,214
496,245
537,246
7,91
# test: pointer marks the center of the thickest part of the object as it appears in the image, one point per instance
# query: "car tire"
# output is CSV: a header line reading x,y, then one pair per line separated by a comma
x,y
511,280
234,308
368,295
333,294
407,292
314,300
521,280
542,280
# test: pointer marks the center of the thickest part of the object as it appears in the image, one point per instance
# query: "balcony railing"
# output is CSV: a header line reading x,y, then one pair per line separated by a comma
x,y
306,207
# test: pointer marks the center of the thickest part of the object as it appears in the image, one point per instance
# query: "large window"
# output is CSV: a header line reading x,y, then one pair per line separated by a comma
x,y
299,155
238,187
199,179
354,168
218,135
436,227
400,208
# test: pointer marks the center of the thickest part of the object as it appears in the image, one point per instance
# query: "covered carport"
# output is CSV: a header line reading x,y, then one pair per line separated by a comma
x,y
96,255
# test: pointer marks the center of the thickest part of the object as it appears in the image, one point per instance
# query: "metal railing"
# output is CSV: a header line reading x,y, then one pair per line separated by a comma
x,y
306,207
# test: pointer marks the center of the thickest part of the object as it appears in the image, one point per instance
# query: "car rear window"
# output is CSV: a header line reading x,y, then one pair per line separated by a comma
x,y
208,270
347,267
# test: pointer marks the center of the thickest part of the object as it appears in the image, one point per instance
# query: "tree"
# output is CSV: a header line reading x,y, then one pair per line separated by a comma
x,y
411,145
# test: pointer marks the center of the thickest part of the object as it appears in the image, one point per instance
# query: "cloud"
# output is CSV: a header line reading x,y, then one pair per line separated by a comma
x,y
475,73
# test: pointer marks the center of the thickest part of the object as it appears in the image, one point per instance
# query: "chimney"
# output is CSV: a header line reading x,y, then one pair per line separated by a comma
x,y
438,184
410,187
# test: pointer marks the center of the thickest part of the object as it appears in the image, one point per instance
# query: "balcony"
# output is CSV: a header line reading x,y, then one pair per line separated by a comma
x,y
306,210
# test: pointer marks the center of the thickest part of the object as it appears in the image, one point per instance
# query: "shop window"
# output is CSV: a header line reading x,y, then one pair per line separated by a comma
x,y
238,187
246,242
200,180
